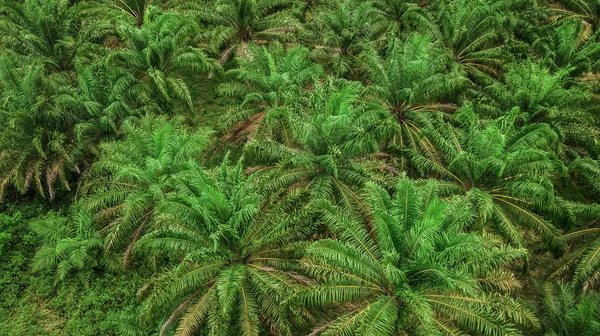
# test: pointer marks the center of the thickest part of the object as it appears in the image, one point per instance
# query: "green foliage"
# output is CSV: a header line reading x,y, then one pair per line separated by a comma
x,y
413,269
72,245
48,32
565,313
158,52
134,175
236,270
38,149
547,97
403,167
340,34
505,171
565,47
414,84
31,305
404,16
584,261
234,23
270,83
474,30
328,156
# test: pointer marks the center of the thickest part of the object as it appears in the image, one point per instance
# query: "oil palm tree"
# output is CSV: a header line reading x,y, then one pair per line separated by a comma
x,y
547,97
585,173
415,84
505,171
158,53
239,257
405,16
121,11
329,154
565,313
270,82
103,100
132,176
586,11
38,146
46,31
474,32
563,47
341,32
135,8
412,269
233,24
582,264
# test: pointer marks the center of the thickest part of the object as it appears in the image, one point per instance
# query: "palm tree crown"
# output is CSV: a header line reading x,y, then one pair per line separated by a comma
x,y
412,269
328,156
238,264
135,174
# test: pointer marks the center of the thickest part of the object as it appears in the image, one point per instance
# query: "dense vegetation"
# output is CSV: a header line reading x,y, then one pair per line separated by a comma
x,y
300,167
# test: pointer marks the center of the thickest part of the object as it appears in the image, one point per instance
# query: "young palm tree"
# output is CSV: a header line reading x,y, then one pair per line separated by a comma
x,y
270,82
72,245
132,176
414,83
158,53
413,270
564,313
505,172
238,256
234,23
328,157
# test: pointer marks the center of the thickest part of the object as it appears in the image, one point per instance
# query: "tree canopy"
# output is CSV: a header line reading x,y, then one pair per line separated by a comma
x,y
301,167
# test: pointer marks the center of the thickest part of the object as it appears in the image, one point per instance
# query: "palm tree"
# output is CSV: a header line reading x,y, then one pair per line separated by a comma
x,y
405,16
583,262
46,31
505,172
548,97
37,145
587,11
414,83
270,82
564,47
412,270
158,53
135,8
329,153
238,256
120,11
132,176
234,23
102,99
72,245
585,173
564,313
474,31
341,33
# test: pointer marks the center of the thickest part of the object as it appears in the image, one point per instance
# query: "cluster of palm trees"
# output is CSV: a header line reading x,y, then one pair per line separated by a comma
x,y
395,167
